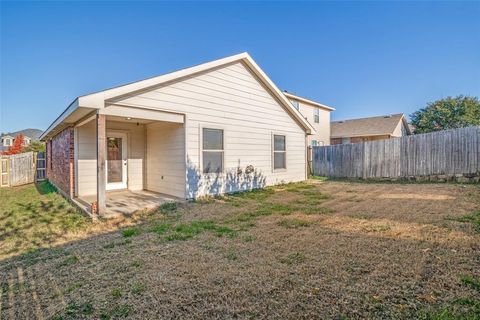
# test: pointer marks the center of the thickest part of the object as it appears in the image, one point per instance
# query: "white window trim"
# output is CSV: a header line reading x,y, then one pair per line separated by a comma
x,y
200,142
273,151
316,113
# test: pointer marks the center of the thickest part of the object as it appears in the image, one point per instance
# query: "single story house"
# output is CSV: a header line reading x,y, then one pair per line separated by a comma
x,y
317,114
218,127
369,129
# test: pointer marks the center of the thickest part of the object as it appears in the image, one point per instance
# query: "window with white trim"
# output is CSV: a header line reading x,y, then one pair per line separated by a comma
x,y
279,152
212,150
316,115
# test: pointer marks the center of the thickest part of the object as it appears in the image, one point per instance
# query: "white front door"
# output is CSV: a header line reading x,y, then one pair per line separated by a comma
x,y
116,160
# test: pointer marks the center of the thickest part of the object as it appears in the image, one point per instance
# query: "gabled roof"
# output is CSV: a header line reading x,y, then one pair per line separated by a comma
x,y
372,126
98,100
307,101
33,134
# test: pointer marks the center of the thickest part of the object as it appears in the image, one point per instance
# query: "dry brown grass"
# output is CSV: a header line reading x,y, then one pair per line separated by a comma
x,y
315,250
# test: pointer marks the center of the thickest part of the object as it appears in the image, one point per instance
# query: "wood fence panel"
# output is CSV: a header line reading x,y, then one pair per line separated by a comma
x,y
448,152
21,168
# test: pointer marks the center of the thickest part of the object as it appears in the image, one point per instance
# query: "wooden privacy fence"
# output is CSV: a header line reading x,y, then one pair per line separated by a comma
x,y
449,152
17,169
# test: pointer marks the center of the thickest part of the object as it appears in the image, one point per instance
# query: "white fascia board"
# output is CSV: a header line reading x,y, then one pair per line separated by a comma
x,y
100,99
279,95
70,109
308,101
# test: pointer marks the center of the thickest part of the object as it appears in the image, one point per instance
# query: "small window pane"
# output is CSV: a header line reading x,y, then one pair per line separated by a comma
x,y
295,104
212,161
212,139
279,160
278,143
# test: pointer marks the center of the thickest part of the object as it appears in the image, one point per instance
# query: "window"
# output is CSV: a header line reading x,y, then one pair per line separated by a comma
x,y
212,150
295,104
316,115
279,152
8,142
345,140
314,143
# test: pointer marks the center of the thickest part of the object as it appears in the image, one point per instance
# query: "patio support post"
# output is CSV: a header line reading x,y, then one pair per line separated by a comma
x,y
101,159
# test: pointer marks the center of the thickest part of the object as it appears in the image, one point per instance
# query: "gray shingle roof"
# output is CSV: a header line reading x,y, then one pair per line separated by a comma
x,y
380,125
33,134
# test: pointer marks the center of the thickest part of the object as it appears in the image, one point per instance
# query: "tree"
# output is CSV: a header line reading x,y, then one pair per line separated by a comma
x,y
35,146
17,146
449,113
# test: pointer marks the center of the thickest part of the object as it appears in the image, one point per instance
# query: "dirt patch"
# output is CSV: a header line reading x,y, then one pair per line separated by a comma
x,y
315,250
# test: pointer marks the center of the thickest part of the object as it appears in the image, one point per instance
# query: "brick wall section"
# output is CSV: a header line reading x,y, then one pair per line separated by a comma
x,y
60,161
335,141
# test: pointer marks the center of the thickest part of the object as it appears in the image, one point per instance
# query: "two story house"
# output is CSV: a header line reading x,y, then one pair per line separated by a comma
x,y
317,114
29,135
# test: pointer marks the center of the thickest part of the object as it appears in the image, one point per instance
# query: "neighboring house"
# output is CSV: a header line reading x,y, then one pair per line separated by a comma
x,y
317,114
222,126
369,129
29,135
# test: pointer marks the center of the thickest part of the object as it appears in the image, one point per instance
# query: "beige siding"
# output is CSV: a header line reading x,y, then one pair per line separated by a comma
x,y
166,158
86,160
398,130
232,99
322,127
86,157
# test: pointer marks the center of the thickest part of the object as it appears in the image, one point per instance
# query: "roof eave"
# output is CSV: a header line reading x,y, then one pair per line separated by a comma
x,y
97,100
71,108
305,100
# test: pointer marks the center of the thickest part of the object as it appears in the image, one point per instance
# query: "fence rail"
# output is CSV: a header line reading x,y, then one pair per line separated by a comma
x,y
446,152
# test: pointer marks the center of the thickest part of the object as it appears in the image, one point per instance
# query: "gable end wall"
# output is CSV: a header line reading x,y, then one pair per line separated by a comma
x,y
233,99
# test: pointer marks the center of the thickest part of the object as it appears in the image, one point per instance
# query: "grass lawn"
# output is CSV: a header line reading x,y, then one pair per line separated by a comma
x,y
322,249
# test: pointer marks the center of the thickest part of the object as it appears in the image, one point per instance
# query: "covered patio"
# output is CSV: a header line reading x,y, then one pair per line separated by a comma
x,y
128,159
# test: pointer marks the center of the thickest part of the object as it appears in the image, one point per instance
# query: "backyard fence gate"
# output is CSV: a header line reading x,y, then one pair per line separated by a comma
x,y
449,152
17,169
41,166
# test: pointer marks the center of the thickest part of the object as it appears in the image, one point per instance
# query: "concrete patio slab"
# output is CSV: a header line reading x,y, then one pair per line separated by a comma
x,y
124,202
